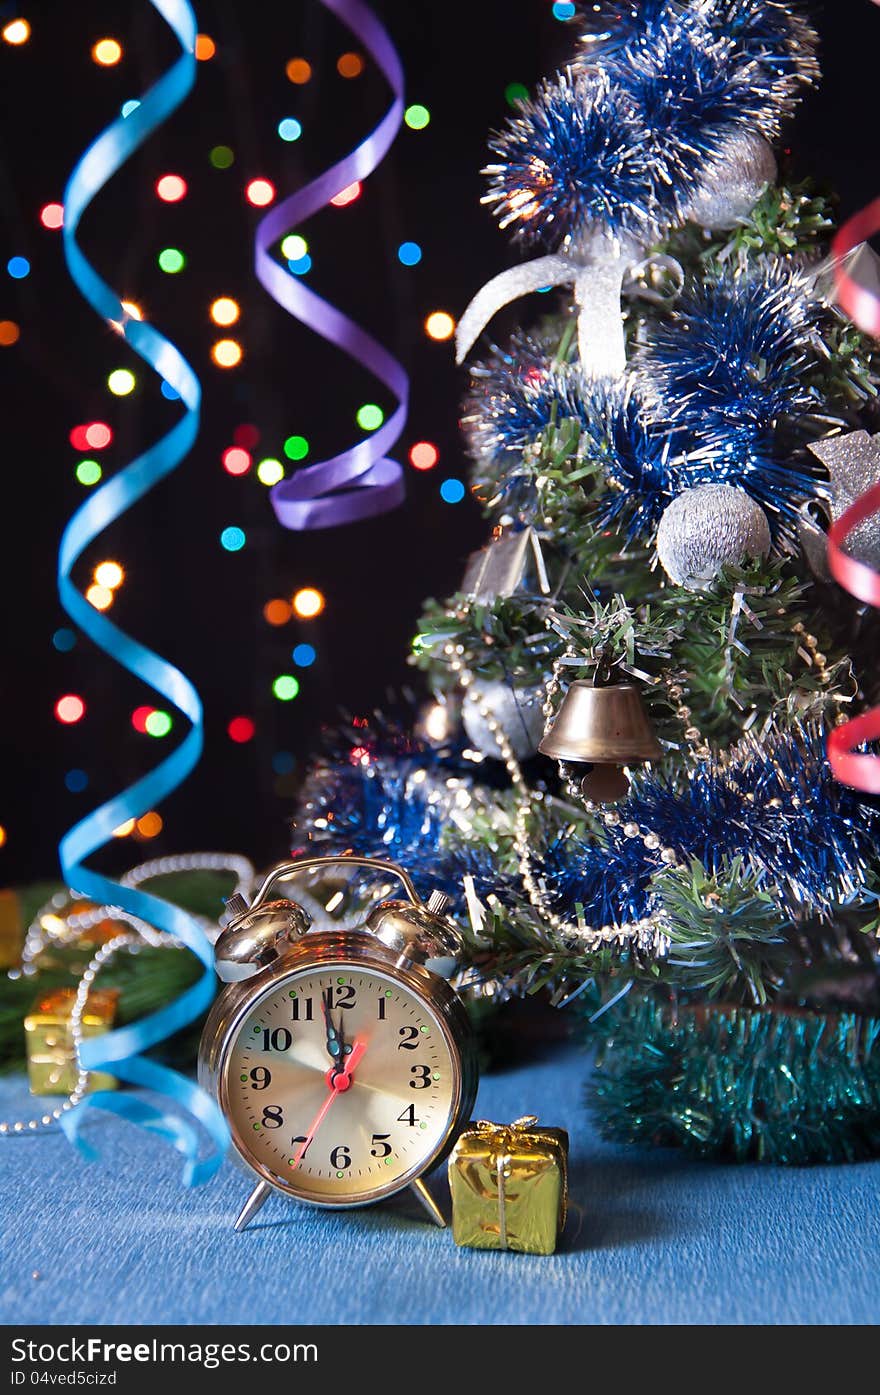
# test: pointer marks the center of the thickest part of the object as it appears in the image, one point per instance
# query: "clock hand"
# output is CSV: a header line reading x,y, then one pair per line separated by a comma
x,y
338,1079
333,1038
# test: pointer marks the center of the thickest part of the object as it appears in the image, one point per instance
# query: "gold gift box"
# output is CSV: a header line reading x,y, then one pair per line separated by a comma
x,y
509,1185
50,1051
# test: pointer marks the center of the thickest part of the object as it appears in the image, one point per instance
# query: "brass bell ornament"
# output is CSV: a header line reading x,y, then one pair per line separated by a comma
x,y
605,727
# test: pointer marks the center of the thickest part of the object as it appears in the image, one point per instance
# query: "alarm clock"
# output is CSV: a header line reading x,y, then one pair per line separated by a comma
x,y
341,1058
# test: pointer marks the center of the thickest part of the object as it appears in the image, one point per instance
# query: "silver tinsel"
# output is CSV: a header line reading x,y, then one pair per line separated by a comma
x,y
517,711
707,527
733,182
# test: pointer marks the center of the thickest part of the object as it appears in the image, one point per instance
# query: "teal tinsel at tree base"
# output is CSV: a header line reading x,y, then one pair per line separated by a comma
x,y
740,1083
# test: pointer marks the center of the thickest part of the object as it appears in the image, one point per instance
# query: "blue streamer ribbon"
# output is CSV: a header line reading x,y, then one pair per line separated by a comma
x,y
122,1050
360,482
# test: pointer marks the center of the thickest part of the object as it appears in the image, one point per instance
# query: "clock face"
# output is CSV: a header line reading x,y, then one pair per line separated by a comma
x,y
341,1083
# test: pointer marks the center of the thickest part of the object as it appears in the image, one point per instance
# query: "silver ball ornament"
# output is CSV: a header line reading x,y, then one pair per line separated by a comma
x,y
706,528
518,711
732,181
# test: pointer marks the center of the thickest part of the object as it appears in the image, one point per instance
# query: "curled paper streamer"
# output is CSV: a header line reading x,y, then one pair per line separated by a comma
x,y
850,766
360,482
122,1051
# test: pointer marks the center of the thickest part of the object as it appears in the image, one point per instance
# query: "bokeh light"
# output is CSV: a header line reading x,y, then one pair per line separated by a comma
x,y
139,718
285,687
246,435
308,602
423,455
301,266
171,188
3,836
9,333
417,117
369,416
109,574
289,128
171,260
132,309
514,93
128,107
101,597
236,461
452,491
233,539
98,435
349,65
260,192
158,723
226,353
150,825
409,253
563,10
124,829
277,612
270,471
298,71
70,709
221,156
205,47
76,781
16,32
64,640
283,762
293,247
121,382
296,447
240,730
88,472
347,195
107,52
225,310
439,325
52,216
18,268
304,655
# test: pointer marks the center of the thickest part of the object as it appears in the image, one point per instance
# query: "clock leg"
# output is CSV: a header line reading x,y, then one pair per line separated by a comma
x,y
419,1189
259,1194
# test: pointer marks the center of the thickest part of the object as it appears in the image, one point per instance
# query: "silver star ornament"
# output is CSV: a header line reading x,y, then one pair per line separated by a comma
x,y
853,465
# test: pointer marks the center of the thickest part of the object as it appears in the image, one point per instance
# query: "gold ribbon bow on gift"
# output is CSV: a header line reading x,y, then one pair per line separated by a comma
x,y
506,1143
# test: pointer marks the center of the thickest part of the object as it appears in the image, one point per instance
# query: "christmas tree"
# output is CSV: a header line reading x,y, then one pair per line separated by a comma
x,y
658,457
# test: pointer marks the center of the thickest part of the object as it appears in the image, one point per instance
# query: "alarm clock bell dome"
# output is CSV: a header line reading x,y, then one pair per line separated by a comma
x,y
419,934
253,939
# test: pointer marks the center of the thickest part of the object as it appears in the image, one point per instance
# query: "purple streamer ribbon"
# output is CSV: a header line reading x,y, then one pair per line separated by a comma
x,y
360,482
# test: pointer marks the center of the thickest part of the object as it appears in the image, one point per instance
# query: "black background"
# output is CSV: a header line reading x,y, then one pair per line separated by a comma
x,y
197,605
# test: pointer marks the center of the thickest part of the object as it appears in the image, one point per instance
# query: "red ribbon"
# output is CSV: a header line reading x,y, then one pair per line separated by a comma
x,y
850,767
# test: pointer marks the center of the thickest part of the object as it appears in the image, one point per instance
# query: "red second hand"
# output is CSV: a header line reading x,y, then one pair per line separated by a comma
x,y
339,1081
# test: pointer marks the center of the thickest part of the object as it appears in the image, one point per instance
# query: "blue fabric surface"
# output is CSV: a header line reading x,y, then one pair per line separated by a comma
x,y
653,1238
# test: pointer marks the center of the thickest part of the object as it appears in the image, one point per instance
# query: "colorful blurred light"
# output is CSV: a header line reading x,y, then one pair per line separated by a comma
x,y
452,491
247,435
285,687
18,268
563,10
277,612
260,192
101,597
221,156
439,325
121,382
301,266
240,730
298,71
293,247
409,253
225,310
76,781
109,574
370,417
226,353
52,216
236,461
158,723
417,117
515,92
171,188
349,65
171,260
107,52
169,392
9,333
296,447
139,718
289,128
205,47
124,829
233,539
150,825
70,709
128,107
283,762
132,309
304,655
16,32
347,195
308,602
88,472
423,455
64,640
97,435
270,471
